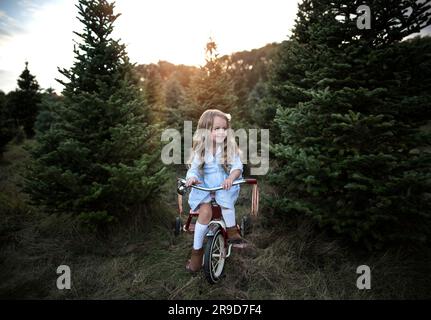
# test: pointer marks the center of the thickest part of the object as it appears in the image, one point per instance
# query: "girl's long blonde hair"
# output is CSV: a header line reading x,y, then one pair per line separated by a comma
x,y
200,139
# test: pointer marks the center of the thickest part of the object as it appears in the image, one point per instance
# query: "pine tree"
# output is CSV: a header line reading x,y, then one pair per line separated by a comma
x,y
248,71
23,102
211,88
174,100
163,87
100,159
350,151
152,89
48,115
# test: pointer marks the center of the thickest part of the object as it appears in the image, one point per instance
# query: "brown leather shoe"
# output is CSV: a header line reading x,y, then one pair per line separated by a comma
x,y
233,235
195,262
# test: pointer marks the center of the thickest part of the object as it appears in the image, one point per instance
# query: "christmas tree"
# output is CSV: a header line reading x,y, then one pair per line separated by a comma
x,y
351,151
99,160
23,102
211,88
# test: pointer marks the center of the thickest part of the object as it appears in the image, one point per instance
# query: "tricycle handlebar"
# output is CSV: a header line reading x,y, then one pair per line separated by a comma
x,y
181,189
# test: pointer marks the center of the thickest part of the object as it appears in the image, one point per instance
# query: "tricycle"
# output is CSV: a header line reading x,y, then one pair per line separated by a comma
x,y
217,245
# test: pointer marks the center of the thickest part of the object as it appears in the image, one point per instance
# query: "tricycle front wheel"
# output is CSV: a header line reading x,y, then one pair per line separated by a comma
x,y
215,256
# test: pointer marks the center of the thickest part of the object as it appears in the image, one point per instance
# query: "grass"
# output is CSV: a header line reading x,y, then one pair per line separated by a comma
x,y
141,261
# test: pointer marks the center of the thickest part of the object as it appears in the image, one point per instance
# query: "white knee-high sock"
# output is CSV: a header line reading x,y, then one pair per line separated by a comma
x,y
200,231
228,216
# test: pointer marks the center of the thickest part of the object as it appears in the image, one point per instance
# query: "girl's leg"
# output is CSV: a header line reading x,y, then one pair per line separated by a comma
x,y
232,232
201,225
195,262
228,216
205,213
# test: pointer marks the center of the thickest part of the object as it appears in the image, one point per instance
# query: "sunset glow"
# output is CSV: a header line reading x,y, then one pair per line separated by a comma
x,y
175,31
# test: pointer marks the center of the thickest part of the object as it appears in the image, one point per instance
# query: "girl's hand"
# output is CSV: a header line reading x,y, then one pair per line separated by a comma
x,y
227,184
192,180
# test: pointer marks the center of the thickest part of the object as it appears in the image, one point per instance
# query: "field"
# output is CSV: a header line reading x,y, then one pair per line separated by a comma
x,y
142,259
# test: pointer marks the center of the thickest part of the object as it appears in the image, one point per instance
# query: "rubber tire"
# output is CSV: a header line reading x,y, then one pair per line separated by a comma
x,y
178,226
213,276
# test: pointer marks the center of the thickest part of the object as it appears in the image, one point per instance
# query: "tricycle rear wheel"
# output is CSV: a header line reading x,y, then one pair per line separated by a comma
x,y
178,226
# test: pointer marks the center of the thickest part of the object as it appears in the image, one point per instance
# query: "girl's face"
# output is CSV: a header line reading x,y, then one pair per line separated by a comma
x,y
218,132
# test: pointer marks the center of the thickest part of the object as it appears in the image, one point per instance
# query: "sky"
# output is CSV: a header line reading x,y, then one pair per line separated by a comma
x,y
41,32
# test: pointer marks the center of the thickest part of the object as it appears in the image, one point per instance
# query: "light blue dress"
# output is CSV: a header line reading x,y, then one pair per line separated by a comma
x,y
213,176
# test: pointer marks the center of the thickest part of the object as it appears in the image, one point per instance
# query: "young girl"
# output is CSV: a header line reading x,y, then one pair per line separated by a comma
x,y
216,162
